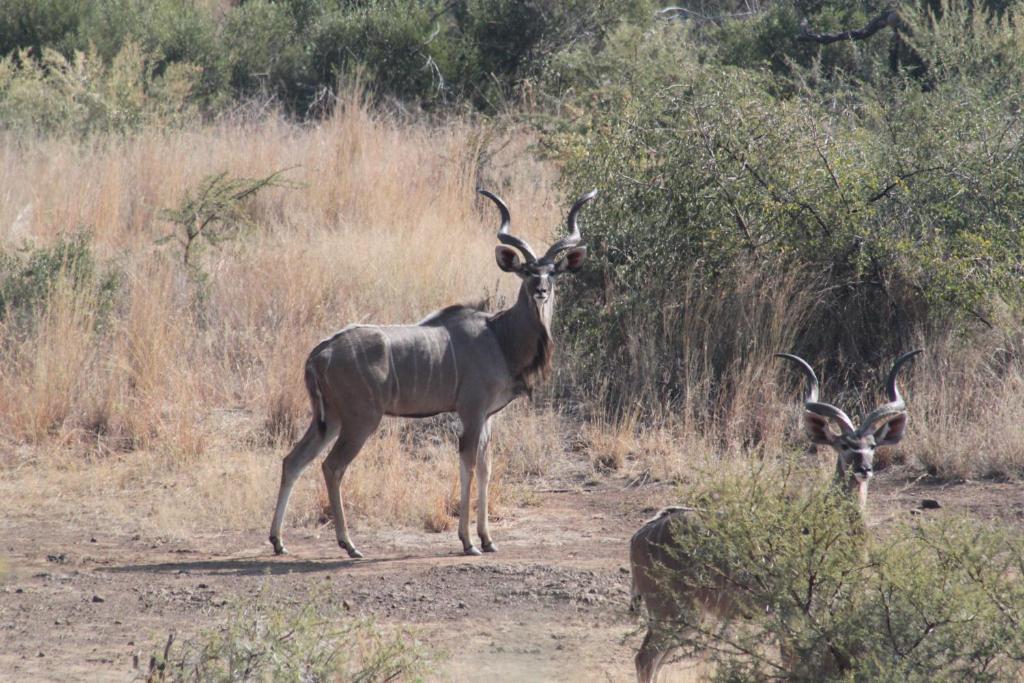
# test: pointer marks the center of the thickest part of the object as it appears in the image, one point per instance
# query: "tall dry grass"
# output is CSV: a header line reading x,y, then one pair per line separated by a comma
x,y
713,388
732,400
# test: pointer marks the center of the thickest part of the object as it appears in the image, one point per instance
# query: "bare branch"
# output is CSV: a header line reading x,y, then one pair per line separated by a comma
x,y
887,19
899,180
682,13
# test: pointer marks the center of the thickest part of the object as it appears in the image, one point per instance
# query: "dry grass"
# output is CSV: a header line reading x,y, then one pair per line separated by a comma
x,y
965,395
968,408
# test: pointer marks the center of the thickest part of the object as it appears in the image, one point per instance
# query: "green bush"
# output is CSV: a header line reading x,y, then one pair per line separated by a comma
x,y
35,24
28,276
317,641
266,53
771,38
393,45
83,95
429,53
170,32
507,44
937,600
901,205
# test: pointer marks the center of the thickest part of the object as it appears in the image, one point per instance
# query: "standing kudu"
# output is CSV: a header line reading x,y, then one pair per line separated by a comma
x,y
458,359
661,571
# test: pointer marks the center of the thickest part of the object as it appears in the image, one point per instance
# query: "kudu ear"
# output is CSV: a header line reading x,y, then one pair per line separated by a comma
x,y
573,260
892,431
816,428
507,258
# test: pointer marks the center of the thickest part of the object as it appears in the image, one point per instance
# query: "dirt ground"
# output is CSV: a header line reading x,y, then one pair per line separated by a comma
x,y
78,603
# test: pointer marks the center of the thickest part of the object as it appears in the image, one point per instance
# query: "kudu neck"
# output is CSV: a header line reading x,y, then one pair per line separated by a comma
x,y
856,489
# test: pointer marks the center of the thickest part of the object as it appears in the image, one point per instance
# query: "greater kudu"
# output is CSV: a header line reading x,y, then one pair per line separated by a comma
x,y
459,359
661,571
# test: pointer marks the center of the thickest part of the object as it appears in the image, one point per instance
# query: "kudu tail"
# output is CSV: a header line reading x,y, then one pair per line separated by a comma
x,y
316,398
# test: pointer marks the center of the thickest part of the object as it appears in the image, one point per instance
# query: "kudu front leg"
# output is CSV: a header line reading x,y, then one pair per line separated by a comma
x,y
483,478
469,449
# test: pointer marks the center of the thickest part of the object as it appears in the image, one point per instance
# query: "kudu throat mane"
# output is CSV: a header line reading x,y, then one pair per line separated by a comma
x,y
528,356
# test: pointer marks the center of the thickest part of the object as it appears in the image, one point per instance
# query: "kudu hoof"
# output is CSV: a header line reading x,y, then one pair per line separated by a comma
x,y
351,550
279,548
471,550
490,547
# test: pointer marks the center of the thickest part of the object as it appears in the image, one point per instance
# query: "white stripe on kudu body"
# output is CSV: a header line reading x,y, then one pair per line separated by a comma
x,y
459,359
655,550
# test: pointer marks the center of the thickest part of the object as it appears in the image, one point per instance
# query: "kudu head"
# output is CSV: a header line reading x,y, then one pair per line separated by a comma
x,y
854,446
514,255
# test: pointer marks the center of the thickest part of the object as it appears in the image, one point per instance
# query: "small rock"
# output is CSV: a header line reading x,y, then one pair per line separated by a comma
x,y
92,540
97,598
462,605
930,504
40,655
623,570
19,590
58,559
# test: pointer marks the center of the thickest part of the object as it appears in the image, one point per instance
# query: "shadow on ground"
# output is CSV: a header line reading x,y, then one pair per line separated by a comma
x,y
253,566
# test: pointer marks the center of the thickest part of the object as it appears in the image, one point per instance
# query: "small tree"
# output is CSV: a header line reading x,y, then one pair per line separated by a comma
x,y
214,209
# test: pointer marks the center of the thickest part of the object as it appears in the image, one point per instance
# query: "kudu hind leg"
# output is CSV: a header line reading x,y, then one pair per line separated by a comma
x,y
649,659
303,453
341,456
